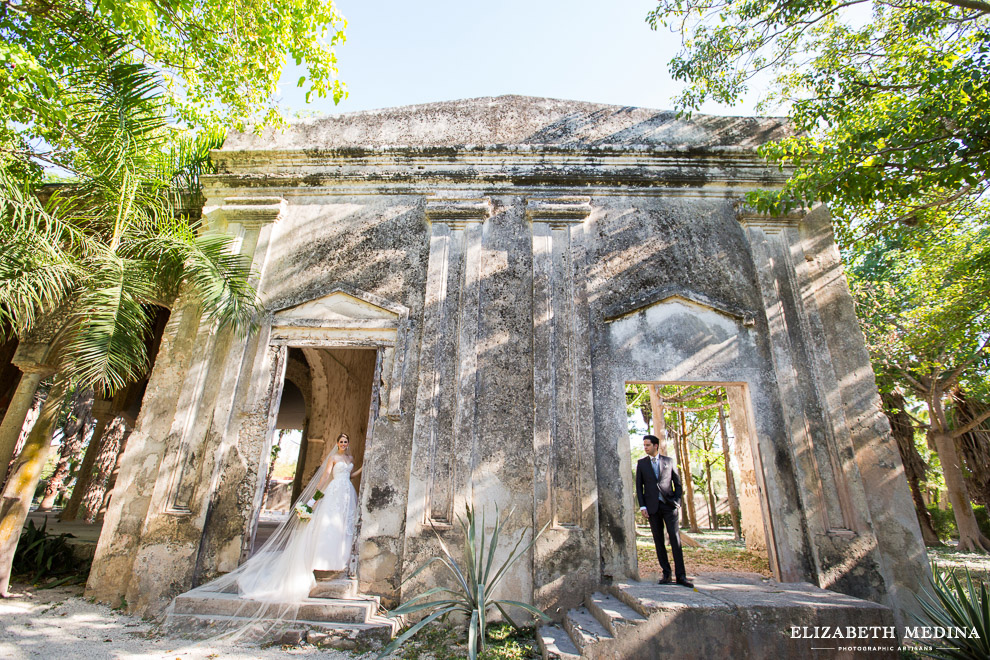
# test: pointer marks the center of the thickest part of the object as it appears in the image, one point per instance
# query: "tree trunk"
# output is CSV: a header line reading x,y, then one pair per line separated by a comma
x,y
659,425
19,419
970,537
97,496
77,425
675,437
713,512
730,483
686,477
914,466
84,476
974,448
19,490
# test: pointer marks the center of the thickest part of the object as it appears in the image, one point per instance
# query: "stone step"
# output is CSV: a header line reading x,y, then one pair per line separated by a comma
x,y
585,630
612,613
339,588
555,644
336,610
739,616
374,633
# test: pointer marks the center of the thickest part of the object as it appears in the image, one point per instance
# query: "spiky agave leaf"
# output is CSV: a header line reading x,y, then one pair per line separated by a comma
x,y
949,603
472,595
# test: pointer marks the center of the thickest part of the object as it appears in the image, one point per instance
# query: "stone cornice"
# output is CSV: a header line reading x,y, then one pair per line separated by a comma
x,y
628,166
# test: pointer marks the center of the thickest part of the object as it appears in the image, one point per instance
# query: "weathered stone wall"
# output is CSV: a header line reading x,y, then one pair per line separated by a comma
x,y
509,291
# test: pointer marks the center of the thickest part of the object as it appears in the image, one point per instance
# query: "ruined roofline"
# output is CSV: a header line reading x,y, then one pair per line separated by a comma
x,y
518,123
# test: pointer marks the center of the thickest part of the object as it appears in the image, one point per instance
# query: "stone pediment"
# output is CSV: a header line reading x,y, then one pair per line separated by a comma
x,y
342,306
681,294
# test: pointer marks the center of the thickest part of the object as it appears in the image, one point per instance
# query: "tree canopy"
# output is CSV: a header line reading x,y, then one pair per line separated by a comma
x,y
219,62
890,100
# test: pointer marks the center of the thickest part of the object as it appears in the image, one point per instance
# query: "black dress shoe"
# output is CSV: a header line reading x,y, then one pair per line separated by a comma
x,y
684,582
665,580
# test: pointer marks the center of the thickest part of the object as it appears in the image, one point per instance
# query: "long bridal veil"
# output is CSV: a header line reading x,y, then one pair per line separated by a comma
x,y
260,598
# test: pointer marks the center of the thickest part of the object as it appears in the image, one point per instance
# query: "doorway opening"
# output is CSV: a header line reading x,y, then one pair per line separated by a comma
x,y
707,428
325,391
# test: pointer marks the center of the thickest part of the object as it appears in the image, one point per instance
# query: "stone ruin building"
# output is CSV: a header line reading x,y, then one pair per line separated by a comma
x,y
466,288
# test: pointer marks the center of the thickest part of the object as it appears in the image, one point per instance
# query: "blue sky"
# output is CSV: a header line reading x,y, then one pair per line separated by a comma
x,y
401,53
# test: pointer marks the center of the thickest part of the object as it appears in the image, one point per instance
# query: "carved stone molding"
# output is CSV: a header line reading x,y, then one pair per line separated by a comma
x,y
558,211
749,218
663,294
458,211
253,211
350,317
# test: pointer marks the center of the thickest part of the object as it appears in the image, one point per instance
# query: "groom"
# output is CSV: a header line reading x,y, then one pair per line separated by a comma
x,y
658,487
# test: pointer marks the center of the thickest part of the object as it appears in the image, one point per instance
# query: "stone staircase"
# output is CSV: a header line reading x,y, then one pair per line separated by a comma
x,y
335,615
724,616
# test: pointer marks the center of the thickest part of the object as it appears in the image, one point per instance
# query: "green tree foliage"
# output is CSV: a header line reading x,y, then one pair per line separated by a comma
x,y
91,263
923,299
890,100
220,60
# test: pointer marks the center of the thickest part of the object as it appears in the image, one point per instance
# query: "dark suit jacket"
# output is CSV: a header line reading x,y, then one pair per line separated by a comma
x,y
648,487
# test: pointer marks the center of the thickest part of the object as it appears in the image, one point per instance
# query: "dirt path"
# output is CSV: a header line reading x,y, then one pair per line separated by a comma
x,y
59,623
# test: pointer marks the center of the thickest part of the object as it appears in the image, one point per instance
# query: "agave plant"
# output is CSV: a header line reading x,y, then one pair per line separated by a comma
x,y
475,583
955,603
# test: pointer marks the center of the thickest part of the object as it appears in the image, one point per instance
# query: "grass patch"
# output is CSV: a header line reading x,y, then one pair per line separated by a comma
x,y
445,642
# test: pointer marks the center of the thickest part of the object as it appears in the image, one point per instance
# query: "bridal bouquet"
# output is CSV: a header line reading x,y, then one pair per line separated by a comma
x,y
305,511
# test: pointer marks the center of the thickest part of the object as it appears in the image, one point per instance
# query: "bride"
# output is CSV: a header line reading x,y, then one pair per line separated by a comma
x,y
317,538
275,581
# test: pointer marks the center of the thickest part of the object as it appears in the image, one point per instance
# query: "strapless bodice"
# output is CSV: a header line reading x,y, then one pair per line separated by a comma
x,y
342,470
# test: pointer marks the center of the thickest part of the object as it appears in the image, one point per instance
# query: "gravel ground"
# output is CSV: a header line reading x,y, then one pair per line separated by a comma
x,y
60,623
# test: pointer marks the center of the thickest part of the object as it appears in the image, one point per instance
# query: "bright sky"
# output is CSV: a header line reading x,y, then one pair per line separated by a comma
x,y
402,53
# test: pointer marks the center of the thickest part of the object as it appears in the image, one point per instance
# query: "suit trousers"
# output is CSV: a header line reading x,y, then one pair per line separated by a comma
x,y
667,516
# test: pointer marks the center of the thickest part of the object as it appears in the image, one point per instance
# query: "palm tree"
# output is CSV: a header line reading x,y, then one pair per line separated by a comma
x,y
86,270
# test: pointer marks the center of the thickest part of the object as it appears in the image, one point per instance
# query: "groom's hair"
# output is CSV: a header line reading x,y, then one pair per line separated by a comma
x,y
654,440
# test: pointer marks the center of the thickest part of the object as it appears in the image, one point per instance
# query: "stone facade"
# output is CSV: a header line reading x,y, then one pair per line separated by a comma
x,y
467,287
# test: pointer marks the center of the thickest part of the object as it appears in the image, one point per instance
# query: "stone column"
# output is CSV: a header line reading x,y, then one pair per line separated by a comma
x,y
832,493
444,442
29,358
565,482
445,449
152,538
103,415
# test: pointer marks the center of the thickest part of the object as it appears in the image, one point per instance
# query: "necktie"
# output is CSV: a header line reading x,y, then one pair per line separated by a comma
x,y
656,469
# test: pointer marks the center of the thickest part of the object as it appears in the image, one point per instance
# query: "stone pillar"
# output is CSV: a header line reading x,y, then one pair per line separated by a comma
x,y
833,499
103,415
565,483
29,358
444,432
152,540
888,498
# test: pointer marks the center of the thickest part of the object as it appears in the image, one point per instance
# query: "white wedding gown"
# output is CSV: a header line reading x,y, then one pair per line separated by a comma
x,y
283,573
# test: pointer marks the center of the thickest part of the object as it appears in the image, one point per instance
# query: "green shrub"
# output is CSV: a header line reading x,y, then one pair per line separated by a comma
x,y
724,520
41,554
944,522
982,519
